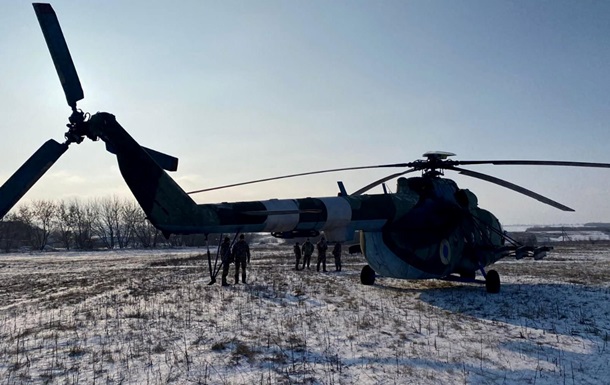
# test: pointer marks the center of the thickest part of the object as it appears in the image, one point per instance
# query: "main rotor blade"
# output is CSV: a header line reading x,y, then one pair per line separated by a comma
x,y
59,52
511,186
533,163
29,173
380,181
295,175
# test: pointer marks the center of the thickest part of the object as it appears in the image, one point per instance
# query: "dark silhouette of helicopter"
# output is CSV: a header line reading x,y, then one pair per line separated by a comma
x,y
428,228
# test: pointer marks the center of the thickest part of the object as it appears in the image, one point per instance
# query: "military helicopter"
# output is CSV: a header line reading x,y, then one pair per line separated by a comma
x,y
428,229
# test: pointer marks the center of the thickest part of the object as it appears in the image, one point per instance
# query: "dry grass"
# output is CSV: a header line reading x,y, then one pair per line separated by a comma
x,y
154,319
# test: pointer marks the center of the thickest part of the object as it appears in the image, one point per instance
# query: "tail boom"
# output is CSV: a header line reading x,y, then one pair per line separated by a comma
x,y
173,211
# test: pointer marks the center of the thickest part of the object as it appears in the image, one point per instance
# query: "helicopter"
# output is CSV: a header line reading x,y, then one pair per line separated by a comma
x,y
429,228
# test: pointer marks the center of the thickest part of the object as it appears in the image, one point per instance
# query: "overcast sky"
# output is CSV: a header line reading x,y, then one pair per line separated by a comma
x,y
242,90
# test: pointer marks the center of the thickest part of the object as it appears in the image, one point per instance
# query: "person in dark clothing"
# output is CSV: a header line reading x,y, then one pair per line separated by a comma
x,y
241,253
322,246
337,255
226,258
307,251
297,254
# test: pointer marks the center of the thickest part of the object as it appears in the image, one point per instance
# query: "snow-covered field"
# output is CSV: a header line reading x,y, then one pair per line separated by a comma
x,y
150,318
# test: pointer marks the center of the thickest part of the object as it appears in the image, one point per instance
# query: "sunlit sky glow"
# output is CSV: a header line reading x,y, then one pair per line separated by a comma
x,y
242,90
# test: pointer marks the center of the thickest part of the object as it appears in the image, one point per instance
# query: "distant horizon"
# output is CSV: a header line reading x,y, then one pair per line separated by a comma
x,y
557,224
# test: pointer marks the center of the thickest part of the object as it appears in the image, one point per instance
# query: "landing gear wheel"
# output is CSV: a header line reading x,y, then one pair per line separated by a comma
x,y
492,283
367,276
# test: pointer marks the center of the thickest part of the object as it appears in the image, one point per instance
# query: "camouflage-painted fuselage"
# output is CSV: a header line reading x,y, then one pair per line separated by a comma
x,y
429,228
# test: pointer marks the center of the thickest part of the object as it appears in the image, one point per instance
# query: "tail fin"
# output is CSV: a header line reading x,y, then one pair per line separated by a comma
x,y
166,204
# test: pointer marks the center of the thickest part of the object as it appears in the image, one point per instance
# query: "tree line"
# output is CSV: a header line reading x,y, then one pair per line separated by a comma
x,y
76,224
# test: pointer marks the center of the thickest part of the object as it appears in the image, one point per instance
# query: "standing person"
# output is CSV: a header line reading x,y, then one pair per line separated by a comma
x,y
307,250
337,255
226,258
241,253
322,246
297,254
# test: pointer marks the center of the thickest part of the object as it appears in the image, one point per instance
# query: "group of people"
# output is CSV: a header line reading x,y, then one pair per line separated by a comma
x,y
239,254
306,251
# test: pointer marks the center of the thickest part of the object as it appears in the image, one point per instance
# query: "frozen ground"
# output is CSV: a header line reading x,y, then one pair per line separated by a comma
x,y
151,318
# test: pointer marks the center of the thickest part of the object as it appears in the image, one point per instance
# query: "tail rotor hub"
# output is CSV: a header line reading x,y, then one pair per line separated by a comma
x,y
78,127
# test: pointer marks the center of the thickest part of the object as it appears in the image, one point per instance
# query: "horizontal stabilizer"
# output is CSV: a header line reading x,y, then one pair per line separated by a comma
x,y
166,162
29,173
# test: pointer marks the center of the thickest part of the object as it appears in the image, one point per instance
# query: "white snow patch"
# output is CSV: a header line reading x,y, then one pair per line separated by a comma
x,y
149,317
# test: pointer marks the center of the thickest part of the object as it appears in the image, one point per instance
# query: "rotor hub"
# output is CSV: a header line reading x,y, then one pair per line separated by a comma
x,y
78,127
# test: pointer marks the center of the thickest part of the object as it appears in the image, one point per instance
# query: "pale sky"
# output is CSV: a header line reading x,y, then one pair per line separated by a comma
x,y
242,90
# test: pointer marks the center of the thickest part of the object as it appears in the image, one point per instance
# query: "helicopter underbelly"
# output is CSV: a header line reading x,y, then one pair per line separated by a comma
x,y
385,262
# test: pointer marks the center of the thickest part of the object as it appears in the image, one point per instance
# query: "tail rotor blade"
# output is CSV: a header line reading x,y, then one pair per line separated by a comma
x,y
29,173
59,52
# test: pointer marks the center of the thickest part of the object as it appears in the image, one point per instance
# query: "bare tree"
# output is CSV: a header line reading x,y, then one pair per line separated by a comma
x,y
66,223
10,227
83,215
106,223
43,215
146,234
25,215
176,240
129,215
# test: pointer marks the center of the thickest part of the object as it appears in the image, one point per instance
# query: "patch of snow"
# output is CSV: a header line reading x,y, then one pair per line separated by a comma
x,y
149,317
